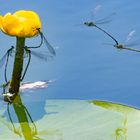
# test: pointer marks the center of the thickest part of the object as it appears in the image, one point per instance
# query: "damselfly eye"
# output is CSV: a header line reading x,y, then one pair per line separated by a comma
x,y
37,28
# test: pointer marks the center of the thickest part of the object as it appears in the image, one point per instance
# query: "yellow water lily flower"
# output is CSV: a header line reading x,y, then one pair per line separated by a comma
x,y
21,23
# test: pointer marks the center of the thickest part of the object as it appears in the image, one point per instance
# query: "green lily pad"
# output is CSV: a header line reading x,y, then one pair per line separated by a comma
x,y
82,120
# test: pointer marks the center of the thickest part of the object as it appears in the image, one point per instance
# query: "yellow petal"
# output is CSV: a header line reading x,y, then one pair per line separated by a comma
x,y
11,24
22,23
0,21
30,21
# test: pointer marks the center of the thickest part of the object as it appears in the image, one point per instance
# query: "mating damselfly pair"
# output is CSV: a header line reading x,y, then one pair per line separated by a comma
x,y
117,45
28,52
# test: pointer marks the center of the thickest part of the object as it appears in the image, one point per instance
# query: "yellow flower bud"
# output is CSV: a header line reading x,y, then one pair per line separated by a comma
x,y
21,24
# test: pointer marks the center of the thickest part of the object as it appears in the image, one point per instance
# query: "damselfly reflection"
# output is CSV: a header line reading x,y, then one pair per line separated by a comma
x,y
28,52
23,117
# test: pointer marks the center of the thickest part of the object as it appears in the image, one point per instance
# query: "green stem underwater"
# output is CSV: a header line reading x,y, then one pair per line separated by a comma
x,y
22,118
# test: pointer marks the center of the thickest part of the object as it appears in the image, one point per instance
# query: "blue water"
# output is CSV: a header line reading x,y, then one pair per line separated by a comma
x,y
84,68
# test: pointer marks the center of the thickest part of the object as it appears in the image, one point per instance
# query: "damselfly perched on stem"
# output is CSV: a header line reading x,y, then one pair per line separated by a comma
x,y
22,24
27,53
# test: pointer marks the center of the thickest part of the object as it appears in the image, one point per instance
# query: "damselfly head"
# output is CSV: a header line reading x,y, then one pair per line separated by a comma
x,y
89,23
38,29
86,23
12,47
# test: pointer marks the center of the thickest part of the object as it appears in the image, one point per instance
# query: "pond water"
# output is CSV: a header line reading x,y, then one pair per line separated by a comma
x,y
85,67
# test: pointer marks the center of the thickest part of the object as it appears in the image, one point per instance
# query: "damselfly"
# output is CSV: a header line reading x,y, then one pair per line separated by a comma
x,y
127,45
28,52
101,21
117,44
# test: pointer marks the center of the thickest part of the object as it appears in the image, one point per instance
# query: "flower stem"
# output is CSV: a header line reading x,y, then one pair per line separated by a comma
x,y
18,66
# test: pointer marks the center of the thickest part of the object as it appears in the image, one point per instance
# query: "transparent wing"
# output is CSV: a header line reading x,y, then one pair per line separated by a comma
x,y
109,44
130,35
105,20
41,56
94,12
50,48
134,43
97,9
3,60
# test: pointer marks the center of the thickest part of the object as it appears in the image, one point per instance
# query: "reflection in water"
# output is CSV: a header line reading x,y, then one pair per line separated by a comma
x,y
29,132
14,128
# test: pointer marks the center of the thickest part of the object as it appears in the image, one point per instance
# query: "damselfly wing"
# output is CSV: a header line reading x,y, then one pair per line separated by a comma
x,y
128,45
95,23
45,41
